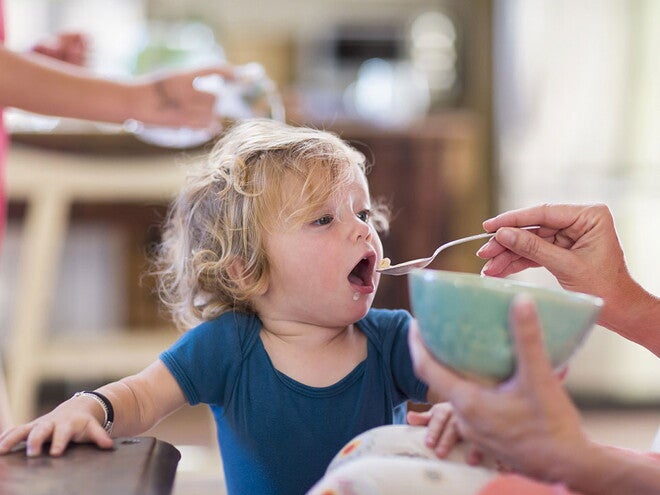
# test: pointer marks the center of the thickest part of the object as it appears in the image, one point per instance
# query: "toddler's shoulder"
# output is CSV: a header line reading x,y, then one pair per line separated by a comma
x,y
387,317
385,325
230,329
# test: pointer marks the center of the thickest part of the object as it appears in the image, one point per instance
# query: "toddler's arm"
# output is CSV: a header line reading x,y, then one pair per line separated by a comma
x,y
442,433
139,402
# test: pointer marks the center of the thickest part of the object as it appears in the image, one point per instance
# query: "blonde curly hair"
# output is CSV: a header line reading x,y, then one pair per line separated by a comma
x,y
218,221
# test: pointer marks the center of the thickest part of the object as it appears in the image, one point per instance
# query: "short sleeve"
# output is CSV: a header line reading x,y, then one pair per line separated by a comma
x,y
405,379
206,360
389,330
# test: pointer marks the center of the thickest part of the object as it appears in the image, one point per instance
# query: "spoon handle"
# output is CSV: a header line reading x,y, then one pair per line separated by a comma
x,y
483,235
407,266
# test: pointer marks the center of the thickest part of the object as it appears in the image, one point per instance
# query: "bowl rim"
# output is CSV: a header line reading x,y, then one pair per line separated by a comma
x,y
502,285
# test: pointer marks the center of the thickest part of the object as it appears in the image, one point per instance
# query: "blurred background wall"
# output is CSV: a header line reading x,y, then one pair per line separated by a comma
x,y
577,94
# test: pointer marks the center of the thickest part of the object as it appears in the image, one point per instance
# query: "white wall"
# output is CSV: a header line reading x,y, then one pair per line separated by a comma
x,y
578,120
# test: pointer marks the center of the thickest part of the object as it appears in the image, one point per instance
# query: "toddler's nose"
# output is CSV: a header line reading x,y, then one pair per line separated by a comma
x,y
362,231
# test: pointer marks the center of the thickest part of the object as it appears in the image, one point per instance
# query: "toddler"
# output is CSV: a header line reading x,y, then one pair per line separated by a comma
x,y
269,255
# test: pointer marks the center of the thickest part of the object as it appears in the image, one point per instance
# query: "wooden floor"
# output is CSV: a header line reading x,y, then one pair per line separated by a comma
x,y
200,471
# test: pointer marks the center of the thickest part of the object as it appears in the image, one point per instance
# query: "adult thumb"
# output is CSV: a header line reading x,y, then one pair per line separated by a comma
x,y
532,362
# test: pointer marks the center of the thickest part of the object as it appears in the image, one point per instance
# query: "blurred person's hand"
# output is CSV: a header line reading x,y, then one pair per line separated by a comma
x,y
70,47
170,98
167,98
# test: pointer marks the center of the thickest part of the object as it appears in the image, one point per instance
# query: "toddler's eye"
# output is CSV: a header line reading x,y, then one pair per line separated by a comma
x,y
324,220
364,215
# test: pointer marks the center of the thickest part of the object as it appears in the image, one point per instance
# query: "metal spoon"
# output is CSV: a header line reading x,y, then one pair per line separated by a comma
x,y
408,266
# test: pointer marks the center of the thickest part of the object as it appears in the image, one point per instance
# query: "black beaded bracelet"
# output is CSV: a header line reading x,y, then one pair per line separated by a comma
x,y
105,404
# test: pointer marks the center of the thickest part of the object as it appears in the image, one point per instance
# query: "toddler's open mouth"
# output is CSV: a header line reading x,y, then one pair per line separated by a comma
x,y
362,274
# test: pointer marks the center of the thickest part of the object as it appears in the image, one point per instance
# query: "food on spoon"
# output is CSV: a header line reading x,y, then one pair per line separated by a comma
x,y
384,263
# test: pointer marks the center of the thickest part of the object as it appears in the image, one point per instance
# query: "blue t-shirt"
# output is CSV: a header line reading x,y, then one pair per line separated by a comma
x,y
277,435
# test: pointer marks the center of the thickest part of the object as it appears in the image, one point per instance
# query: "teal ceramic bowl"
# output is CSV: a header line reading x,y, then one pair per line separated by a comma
x,y
463,319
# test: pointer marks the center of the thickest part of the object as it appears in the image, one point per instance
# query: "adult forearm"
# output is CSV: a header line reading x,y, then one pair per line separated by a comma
x,y
36,83
633,313
611,471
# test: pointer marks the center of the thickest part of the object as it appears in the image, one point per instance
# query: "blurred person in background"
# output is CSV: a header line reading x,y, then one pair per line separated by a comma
x,y
51,80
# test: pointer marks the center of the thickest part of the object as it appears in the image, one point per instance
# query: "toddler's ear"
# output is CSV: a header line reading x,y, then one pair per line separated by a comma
x,y
244,281
236,270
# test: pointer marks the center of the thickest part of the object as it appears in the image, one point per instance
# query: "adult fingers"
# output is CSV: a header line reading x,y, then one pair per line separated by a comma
x,y
440,379
506,264
533,364
490,249
532,247
556,216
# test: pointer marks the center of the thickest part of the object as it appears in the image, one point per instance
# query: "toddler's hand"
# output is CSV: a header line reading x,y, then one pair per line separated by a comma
x,y
71,421
442,433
